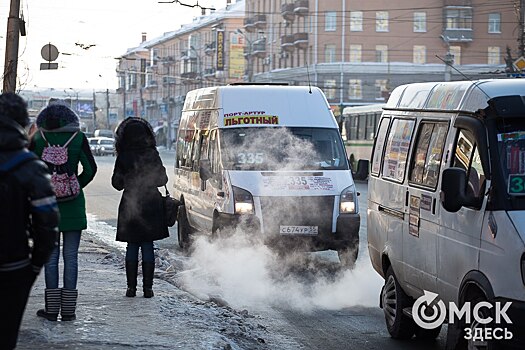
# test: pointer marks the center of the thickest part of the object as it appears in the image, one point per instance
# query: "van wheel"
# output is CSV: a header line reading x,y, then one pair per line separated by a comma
x,y
183,228
348,257
427,334
394,300
471,344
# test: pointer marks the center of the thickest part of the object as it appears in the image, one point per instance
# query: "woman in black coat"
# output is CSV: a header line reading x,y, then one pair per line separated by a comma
x,y
141,214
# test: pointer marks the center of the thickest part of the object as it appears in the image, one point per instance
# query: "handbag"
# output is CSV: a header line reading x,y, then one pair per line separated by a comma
x,y
171,206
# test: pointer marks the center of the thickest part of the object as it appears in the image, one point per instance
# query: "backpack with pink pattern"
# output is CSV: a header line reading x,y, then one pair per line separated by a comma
x,y
63,178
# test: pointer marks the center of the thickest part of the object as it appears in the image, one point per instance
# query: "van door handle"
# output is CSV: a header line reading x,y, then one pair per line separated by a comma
x,y
406,199
220,194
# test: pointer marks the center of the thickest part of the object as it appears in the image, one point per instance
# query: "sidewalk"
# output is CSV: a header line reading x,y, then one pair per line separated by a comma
x,y
106,319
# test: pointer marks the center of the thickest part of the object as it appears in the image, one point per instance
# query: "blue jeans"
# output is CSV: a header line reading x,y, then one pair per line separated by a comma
x,y
70,244
132,251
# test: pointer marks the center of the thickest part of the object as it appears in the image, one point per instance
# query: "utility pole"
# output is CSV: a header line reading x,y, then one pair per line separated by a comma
x,y
107,108
11,47
521,39
94,112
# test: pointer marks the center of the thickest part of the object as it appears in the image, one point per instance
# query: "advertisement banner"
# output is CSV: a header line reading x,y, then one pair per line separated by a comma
x,y
220,49
237,43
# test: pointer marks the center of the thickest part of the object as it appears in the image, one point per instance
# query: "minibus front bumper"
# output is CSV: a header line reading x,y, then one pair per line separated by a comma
x,y
346,235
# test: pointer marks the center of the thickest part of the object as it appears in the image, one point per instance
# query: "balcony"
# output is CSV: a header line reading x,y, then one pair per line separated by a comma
x,y
287,42
209,49
260,21
249,24
151,84
301,7
300,40
189,75
259,48
209,73
169,80
457,35
287,11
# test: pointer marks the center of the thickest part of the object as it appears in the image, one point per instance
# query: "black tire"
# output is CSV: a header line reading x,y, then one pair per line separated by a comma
x,y
471,344
183,228
348,257
427,334
394,300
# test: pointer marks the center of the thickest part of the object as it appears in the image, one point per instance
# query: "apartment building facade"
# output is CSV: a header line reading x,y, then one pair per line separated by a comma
x,y
357,52
155,76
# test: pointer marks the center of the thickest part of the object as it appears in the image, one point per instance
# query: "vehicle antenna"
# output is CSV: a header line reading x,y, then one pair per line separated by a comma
x,y
466,77
308,74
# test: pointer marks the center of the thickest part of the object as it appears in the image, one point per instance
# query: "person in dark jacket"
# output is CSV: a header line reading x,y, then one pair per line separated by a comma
x,y
57,124
141,216
28,210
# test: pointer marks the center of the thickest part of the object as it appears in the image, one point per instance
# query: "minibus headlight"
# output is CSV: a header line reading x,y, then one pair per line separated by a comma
x,y
242,200
347,202
523,268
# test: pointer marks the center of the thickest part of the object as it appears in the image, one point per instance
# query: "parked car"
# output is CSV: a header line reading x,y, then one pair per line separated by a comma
x,y
101,146
446,210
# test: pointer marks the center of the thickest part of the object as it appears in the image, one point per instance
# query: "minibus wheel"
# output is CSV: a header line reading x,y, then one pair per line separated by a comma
x,y
183,228
394,300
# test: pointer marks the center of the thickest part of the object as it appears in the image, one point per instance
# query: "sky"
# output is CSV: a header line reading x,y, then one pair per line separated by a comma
x,y
112,26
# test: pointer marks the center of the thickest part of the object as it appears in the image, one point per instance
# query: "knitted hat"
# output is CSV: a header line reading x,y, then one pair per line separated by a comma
x,y
58,118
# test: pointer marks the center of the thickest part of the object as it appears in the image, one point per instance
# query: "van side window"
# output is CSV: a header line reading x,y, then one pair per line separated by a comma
x,y
397,147
426,161
195,152
379,146
466,156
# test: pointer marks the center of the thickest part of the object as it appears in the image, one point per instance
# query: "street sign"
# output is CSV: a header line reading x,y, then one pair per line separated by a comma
x,y
48,65
519,63
49,52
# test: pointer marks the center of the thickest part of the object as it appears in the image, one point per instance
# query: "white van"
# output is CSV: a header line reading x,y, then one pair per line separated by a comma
x,y
446,205
270,157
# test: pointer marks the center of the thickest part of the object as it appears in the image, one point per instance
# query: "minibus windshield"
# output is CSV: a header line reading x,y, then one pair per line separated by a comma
x,y
511,148
294,148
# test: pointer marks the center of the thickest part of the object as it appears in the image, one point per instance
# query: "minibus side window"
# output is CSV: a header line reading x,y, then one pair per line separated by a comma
x,y
426,161
397,147
195,152
379,146
466,156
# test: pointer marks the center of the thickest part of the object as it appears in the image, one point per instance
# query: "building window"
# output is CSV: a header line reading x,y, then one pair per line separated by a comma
x,y
493,55
355,53
382,53
329,53
382,21
356,21
355,91
494,23
456,52
420,54
420,22
381,86
330,21
330,88
459,18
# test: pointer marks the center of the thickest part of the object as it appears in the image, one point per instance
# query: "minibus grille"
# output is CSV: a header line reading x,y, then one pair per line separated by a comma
x,y
297,211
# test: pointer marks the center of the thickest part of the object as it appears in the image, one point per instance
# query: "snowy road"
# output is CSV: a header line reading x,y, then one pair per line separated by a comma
x,y
313,305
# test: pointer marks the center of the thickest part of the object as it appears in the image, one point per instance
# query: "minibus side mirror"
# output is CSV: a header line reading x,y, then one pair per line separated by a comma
x,y
453,190
205,169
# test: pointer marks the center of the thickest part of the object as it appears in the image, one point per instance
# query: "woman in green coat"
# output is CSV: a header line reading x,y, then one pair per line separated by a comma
x,y
57,124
